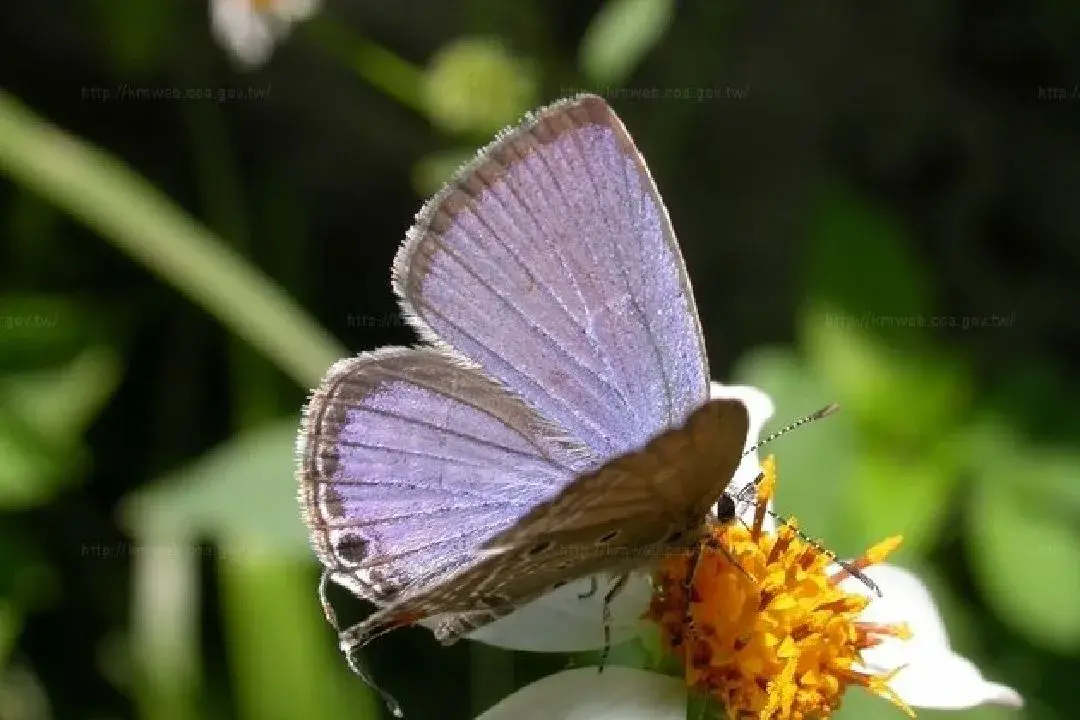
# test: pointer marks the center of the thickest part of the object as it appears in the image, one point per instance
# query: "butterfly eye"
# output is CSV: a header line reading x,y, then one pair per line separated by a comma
x,y
608,536
540,547
725,509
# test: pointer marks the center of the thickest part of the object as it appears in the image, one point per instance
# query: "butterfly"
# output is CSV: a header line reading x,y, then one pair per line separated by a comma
x,y
556,421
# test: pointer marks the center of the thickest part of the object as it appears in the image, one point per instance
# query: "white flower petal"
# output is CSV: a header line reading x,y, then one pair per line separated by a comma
x,y
935,676
618,693
250,32
904,598
245,32
761,408
562,621
296,10
947,681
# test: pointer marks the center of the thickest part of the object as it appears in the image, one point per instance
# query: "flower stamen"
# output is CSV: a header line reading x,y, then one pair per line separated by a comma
x,y
760,623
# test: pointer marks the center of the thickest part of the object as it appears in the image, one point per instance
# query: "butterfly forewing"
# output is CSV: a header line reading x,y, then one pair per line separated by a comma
x,y
660,496
409,460
550,261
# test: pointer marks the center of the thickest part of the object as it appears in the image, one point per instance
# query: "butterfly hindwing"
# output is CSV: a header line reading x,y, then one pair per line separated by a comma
x,y
660,496
410,459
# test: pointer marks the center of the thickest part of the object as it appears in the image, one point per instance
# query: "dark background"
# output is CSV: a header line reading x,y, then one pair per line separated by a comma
x,y
876,205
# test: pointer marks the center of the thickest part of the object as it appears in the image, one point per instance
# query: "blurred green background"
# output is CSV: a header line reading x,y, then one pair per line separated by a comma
x,y
877,206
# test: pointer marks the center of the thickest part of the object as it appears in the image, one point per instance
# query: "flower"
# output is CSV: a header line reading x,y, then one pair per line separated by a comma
x,y
760,624
781,615
249,29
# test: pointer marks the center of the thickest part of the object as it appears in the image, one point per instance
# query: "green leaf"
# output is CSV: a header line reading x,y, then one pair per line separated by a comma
x,y
620,35
912,394
43,330
125,209
31,469
997,452
898,495
11,622
283,656
242,493
861,265
813,463
43,416
1026,558
61,403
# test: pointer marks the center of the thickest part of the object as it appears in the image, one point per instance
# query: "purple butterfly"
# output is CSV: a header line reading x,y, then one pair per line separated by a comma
x,y
556,425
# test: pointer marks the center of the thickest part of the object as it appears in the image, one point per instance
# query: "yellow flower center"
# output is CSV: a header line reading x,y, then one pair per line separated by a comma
x,y
761,624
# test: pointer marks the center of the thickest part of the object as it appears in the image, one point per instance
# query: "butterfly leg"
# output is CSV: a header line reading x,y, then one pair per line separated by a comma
x,y
613,592
688,591
593,585
353,639
350,648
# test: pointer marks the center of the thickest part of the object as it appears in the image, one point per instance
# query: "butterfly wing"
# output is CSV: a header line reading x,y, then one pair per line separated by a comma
x,y
409,460
621,516
550,262
670,484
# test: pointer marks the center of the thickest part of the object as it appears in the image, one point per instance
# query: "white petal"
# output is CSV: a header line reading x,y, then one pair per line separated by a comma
x,y
562,621
295,10
249,32
618,693
246,33
761,408
935,676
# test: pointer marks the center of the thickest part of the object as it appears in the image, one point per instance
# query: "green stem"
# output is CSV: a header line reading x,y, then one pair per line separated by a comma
x,y
391,74
107,196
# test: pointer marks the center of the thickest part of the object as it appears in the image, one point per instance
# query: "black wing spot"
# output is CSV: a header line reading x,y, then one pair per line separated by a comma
x,y
351,548
541,547
335,506
608,536
675,536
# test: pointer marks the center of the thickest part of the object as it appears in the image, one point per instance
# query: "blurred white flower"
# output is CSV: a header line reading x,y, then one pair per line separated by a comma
x,y
249,29
793,654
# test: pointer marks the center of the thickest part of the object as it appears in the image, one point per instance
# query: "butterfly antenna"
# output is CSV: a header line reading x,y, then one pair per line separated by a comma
x,y
747,492
849,567
820,414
